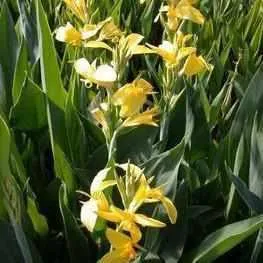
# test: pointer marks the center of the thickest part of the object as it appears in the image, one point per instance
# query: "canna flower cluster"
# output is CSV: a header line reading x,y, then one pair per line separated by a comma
x,y
135,191
178,10
121,104
180,57
86,33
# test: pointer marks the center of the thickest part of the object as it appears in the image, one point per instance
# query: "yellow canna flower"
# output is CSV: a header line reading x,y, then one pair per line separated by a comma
x,y
78,8
128,221
69,34
130,45
103,75
110,31
195,64
132,96
146,194
89,209
173,53
123,248
183,9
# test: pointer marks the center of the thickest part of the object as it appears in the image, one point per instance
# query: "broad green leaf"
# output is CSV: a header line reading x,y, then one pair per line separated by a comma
x,y
252,201
20,72
5,142
8,51
250,104
50,73
256,159
224,239
4,158
140,149
164,167
29,28
238,164
52,85
29,112
75,132
147,18
115,12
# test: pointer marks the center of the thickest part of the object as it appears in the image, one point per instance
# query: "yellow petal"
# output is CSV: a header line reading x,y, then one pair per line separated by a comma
x,y
98,44
79,8
190,13
135,232
102,201
147,221
132,96
117,239
173,23
140,195
144,85
170,209
133,40
146,118
184,52
115,256
141,49
167,51
89,31
110,31
194,65
109,216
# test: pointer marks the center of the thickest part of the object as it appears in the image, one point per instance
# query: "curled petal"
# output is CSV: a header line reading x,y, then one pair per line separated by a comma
x,y
117,239
146,118
136,234
88,214
190,13
141,49
147,221
109,216
133,40
170,209
98,44
101,181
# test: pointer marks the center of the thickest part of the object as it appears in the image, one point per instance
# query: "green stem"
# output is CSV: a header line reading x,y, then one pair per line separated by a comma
x,y
164,126
112,147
